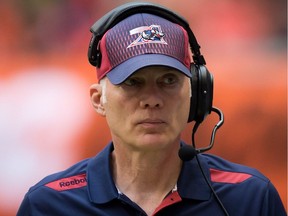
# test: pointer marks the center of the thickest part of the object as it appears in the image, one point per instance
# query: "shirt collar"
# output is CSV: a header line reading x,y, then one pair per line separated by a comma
x,y
101,187
191,183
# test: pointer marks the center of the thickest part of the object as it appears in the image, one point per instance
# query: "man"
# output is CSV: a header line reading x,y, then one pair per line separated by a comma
x,y
144,93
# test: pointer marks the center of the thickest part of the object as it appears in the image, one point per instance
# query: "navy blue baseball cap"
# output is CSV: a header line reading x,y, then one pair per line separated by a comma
x,y
143,40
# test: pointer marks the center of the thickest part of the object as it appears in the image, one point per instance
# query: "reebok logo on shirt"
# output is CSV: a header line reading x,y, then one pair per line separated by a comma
x,y
68,183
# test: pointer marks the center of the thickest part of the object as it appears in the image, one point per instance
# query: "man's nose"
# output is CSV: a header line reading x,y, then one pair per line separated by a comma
x,y
151,97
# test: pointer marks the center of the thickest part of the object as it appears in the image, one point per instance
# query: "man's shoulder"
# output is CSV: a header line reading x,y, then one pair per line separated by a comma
x,y
73,177
65,179
233,181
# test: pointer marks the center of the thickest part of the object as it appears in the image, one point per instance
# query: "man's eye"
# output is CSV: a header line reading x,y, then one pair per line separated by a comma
x,y
131,82
169,80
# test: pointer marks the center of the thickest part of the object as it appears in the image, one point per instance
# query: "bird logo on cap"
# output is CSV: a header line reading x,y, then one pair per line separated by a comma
x,y
147,34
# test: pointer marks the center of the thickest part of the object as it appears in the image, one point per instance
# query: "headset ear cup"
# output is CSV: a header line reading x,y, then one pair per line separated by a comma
x,y
205,93
202,93
92,51
194,94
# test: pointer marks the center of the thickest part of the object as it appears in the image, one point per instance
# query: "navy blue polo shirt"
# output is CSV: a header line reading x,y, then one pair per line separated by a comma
x,y
87,188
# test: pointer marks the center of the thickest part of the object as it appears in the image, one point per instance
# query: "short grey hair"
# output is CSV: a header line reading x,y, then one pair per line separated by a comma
x,y
103,85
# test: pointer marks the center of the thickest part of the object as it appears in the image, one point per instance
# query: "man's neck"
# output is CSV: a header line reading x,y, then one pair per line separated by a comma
x,y
146,178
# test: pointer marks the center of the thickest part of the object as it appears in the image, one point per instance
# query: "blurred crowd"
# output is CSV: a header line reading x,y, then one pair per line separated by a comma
x,y
47,122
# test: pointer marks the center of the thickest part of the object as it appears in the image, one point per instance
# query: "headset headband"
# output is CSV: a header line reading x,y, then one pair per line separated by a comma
x,y
116,15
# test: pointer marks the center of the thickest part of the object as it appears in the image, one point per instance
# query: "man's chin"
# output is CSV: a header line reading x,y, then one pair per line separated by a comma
x,y
155,142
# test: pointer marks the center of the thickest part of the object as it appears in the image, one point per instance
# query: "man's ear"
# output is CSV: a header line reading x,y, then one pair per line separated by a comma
x,y
97,102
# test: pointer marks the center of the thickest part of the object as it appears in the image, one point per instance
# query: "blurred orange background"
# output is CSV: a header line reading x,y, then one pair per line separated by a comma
x,y
47,122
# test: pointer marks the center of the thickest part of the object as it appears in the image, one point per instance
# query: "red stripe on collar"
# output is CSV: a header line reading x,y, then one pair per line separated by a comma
x,y
68,183
228,177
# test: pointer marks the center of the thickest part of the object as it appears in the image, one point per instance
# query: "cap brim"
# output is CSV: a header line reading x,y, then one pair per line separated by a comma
x,y
120,73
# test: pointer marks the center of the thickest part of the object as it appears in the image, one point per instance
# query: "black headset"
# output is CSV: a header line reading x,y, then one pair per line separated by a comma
x,y
202,79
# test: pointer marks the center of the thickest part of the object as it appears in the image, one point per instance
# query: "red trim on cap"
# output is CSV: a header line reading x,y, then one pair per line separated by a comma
x,y
188,59
68,183
228,177
105,66
172,198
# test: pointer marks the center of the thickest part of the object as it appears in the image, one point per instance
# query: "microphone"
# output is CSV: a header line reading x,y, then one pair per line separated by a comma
x,y
188,152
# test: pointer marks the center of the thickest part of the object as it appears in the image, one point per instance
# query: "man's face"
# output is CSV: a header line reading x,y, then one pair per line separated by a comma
x,y
149,110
